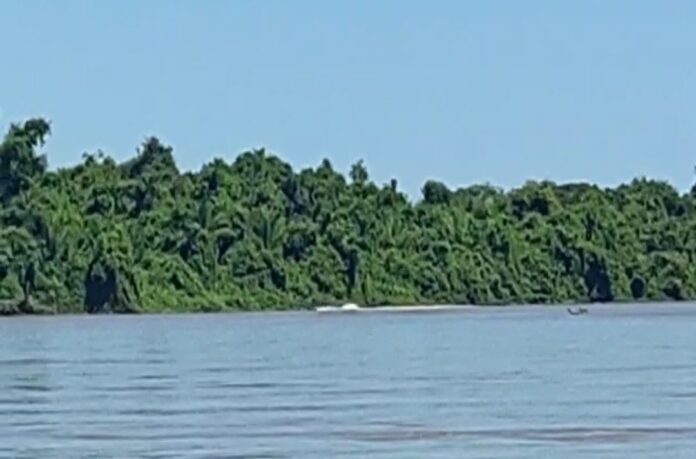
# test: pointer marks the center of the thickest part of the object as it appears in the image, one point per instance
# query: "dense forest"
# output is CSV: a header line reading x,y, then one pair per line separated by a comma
x,y
142,236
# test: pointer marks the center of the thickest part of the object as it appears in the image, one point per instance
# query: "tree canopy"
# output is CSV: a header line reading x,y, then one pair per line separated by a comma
x,y
142,236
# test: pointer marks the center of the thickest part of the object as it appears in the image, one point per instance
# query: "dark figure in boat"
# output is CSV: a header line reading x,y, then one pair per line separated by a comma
x,y
577,311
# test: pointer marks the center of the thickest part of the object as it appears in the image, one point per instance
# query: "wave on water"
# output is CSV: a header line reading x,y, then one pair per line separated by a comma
x,y
569,434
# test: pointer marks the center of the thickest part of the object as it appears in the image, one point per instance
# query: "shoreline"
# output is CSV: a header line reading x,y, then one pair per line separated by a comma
x,y
596,307
602,309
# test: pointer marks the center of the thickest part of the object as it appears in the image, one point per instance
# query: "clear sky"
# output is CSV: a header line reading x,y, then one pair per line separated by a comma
x,y
459,91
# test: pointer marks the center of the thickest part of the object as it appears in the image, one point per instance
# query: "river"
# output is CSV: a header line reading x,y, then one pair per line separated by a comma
x,y
619,382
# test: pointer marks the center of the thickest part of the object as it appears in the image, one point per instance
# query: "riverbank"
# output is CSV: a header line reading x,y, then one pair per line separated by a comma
x,y
144,237
602,309
593,309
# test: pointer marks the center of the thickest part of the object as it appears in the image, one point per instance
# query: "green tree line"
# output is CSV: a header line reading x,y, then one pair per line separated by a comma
x,y
143,236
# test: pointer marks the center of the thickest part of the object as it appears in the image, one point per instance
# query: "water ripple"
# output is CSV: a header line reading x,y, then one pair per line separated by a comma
x,y
582,434
286,386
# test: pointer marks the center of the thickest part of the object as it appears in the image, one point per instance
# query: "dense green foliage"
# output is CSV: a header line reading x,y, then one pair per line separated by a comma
x,y
254,234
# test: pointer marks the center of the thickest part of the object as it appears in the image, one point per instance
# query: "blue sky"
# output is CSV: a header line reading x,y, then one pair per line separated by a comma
x,y
459,91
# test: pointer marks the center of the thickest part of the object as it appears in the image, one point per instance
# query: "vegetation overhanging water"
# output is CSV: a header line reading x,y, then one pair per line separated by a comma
x,y
254,234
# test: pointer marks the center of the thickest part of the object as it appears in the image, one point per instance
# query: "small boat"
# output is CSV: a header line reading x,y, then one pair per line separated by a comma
x,y
348,307
577,311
